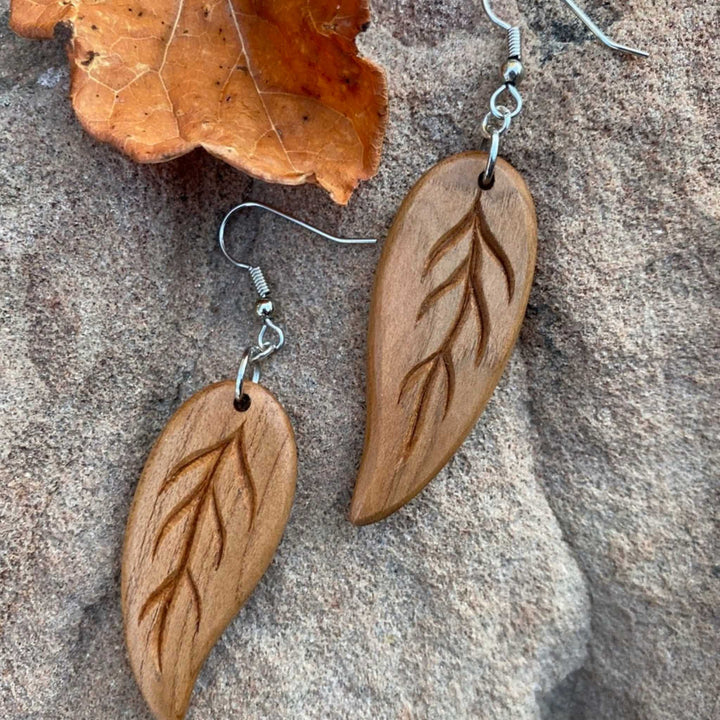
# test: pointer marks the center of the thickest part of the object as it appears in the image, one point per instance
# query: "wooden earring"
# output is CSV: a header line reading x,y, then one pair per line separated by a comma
x,y
208,514
449,299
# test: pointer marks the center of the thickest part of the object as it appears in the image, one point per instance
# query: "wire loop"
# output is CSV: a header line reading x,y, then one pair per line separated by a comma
x,y
246,362
497,110
486,179
265,348
491,125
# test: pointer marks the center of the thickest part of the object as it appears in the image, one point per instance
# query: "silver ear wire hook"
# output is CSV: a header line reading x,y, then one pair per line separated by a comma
x,y
264,307
256,274
493,17
502,111
290,218
599,34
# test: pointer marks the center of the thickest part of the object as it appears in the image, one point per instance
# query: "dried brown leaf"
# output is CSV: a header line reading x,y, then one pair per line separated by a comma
x,y
275,88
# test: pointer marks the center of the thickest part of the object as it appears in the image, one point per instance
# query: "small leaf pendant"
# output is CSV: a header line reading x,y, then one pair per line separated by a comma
x,y
208,514
449,299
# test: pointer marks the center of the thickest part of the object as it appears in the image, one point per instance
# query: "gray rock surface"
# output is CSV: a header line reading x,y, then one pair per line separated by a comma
x,y
564,566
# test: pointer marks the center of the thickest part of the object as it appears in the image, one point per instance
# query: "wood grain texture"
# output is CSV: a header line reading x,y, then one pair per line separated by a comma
x,y
449,298
208,514
276,89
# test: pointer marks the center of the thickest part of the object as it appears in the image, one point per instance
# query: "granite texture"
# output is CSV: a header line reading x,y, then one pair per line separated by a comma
x,y
564,566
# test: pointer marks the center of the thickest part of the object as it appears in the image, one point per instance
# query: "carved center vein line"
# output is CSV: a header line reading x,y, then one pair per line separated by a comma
x,y
467,274
202,501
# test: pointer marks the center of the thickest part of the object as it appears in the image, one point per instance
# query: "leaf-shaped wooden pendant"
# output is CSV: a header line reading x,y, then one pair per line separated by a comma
x,y
449,299
208,514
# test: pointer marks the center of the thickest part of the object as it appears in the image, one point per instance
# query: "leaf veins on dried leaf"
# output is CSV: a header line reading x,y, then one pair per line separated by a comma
x,y
275,88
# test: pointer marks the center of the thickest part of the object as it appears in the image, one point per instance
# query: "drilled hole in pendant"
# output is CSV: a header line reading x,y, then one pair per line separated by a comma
x,y
486,185
242,404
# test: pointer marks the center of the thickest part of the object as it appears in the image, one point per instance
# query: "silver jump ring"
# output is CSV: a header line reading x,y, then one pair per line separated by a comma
x,y
499,111
264,352
489,132
487,176
247,359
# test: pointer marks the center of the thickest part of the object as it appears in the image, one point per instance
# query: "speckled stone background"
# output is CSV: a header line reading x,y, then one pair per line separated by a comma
x,y
564,566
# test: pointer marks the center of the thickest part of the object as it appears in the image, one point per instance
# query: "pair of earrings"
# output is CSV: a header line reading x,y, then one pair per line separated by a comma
x,y
215,494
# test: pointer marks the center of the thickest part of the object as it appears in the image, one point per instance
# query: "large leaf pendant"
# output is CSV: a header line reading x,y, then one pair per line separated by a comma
x,y
208,514
449,298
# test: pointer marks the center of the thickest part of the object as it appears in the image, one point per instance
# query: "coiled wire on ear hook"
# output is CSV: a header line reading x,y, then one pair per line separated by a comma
x,y
264,308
